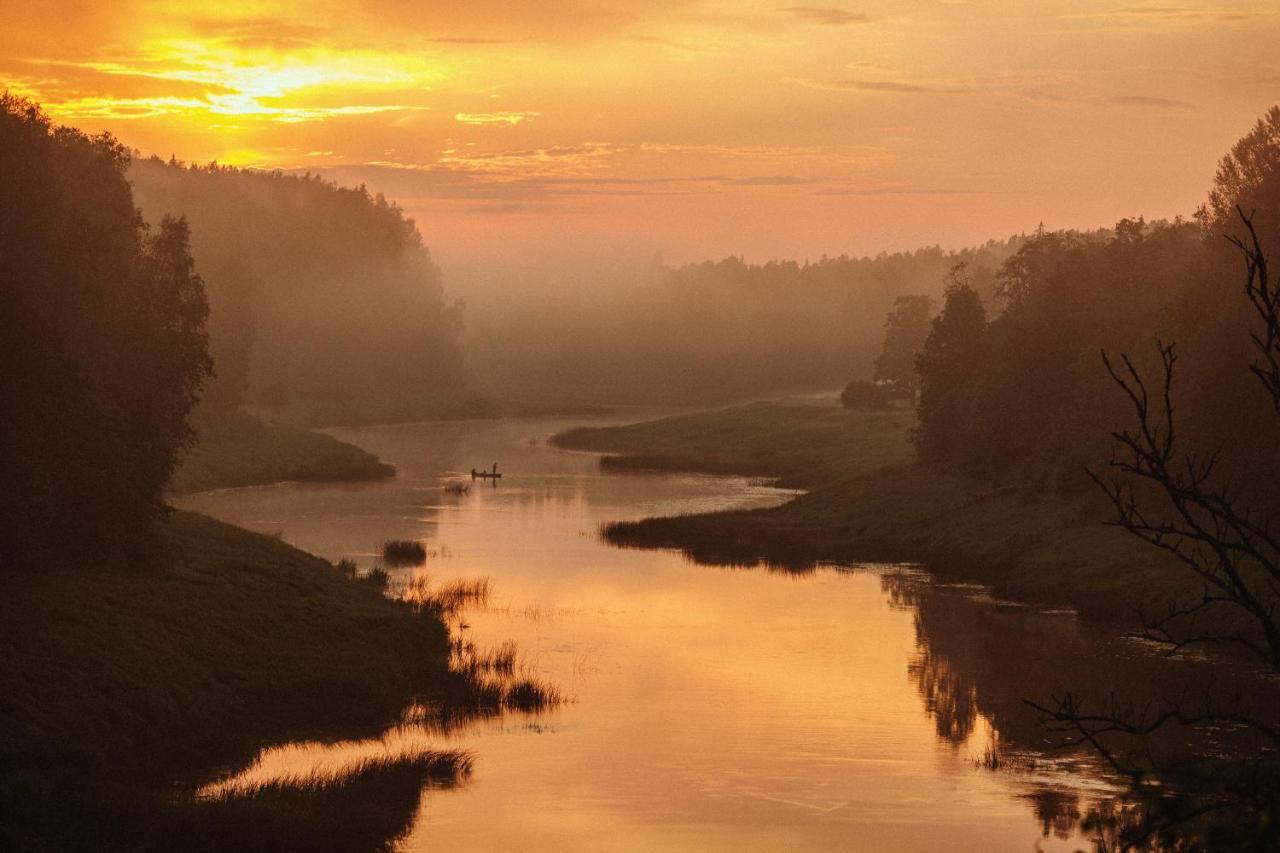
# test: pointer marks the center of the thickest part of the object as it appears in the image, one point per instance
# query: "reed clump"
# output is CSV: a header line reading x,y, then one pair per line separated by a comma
x,y
378,578
449,597
403,552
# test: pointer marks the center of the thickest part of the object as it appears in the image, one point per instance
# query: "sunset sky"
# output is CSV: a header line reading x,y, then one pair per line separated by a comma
x,y
527,131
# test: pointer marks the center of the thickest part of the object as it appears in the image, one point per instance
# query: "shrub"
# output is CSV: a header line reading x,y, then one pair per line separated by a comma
x,y
865,396
404,552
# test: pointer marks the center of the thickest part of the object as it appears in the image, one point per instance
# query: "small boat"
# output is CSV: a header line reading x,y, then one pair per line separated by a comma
x,y
486,475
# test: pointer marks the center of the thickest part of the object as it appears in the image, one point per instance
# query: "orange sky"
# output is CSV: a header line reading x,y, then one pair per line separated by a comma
x,y
525,130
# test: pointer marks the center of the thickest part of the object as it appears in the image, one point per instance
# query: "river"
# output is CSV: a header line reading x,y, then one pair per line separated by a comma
x,y
850,707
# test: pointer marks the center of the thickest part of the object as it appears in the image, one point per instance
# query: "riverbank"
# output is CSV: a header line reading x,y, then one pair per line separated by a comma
x,y
242,450
867,501
115,684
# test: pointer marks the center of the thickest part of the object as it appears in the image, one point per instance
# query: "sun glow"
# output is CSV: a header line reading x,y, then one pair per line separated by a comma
x,y
309,85
689,128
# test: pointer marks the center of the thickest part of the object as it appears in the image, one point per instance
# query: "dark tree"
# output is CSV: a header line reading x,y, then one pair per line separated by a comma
x,y
102,347
1173,499
1248,178
949,365
905,330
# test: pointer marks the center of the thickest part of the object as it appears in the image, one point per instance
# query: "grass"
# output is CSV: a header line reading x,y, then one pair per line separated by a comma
x,y
868,501
378,578
242,450
403,552
449,597
801,445
115,684
369,807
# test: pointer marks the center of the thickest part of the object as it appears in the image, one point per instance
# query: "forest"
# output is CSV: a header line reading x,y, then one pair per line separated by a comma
x,y
1013,385
710,332
325,306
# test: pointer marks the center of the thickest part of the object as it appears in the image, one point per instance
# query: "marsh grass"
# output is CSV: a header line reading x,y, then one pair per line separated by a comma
x,y
502,679
370,805
457,488
403,552
346,567
528,695
378,578
445,767
449,597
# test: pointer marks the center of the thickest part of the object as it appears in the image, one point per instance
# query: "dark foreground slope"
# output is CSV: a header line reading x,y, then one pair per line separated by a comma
x,y
867,501
116,685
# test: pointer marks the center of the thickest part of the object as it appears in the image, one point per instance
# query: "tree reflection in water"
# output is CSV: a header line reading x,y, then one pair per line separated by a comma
x,y
977,663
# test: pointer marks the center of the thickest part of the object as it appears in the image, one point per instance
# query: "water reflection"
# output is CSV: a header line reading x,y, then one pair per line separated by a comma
x,y
854,709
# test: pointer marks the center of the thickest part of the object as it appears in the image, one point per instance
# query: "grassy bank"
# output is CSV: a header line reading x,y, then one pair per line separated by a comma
x,y
114,685
869,502
245,451
802,445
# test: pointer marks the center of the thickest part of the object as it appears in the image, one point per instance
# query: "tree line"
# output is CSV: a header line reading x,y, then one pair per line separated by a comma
x,y
1008,372
709,332
144,301
103,349
1157,348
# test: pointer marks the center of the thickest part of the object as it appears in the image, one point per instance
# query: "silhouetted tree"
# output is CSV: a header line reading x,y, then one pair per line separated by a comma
x,y
949,365
1172,498
102,346
905,330
1248,178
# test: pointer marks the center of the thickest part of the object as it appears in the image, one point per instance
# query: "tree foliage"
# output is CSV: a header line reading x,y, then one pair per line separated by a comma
x,y
1248,179
905,330
948,365
102,345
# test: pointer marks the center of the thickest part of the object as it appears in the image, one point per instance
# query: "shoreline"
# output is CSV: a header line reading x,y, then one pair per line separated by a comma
x,y
866,501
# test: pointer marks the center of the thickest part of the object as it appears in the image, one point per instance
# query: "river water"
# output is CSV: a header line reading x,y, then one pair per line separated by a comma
x,y
852,708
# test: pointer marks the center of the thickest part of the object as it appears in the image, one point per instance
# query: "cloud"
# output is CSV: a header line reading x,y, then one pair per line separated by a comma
x,y
1119,101
542,180
896,86
1145,101
467,40
1181,13
772,181
506,119
524,20
827,16
258,34
182,78
901,189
